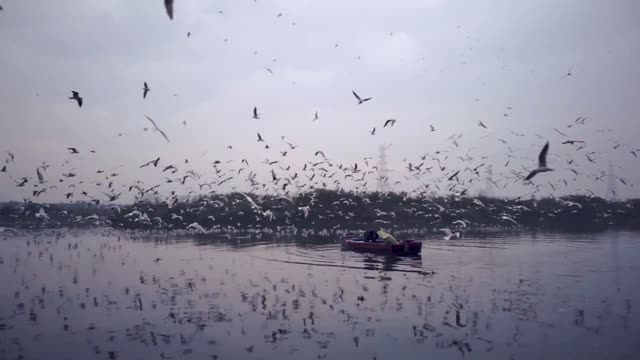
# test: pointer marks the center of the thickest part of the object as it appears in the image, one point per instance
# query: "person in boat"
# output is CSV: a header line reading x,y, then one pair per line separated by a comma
x,y
371,236
375,236
387,238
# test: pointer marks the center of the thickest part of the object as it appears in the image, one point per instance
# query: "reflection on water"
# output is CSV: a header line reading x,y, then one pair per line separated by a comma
x,y
107,295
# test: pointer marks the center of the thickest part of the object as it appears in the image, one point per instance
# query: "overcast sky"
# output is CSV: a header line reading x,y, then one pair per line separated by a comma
x,y
449,64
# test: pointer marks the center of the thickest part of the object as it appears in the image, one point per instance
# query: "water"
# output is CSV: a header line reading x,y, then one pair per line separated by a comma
x,y
107,295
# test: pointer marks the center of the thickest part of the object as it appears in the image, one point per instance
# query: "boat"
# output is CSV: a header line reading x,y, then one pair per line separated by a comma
x,y
406,247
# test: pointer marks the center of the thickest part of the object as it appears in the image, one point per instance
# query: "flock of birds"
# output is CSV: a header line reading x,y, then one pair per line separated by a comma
x,y
453,170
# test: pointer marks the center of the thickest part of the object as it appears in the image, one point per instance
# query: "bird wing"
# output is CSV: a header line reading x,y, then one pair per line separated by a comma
x,y
356,95
447,232
157,128
542,158
163,134
168,5
531,175
79,101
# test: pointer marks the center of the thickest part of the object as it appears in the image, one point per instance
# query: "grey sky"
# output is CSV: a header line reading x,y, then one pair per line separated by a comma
x,y
423,62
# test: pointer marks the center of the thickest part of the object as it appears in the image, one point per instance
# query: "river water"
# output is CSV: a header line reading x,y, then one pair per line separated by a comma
x,y
108,295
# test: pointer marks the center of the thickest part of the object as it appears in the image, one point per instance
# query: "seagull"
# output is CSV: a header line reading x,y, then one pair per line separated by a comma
x,y
360,101
568,72
255,113
40,177
571,142
315,117
196,226
559,132
542,163
76,96
305,210
390,121
168,5
154,162
157,128
508,218
448,235
145,90
73,150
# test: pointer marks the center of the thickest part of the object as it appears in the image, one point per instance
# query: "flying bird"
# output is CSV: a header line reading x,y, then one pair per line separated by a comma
x,y
40,177
542,163
360,100
168,5
157,128
432,128
255,113
571,142
481,124
448,234
76,96
154,162
568,72
559,132
260,138
391,122
73,150
315,117
145,90
373,132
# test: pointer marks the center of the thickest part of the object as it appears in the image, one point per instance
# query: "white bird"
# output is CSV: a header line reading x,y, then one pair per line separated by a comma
x,y
305,210
252,202
196,226
448,235
542,163
41,214
157,128
508,218
461,223
92,217
8,230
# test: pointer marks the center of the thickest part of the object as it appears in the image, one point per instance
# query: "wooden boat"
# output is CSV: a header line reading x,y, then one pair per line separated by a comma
x,y
406,247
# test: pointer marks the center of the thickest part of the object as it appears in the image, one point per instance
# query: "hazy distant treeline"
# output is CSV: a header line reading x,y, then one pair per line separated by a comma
x,y
332,210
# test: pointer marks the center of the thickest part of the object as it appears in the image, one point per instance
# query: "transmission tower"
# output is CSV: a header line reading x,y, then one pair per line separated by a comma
x,y
383,171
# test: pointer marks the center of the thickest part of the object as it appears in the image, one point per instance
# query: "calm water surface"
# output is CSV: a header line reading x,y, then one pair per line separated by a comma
x,y
108,295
